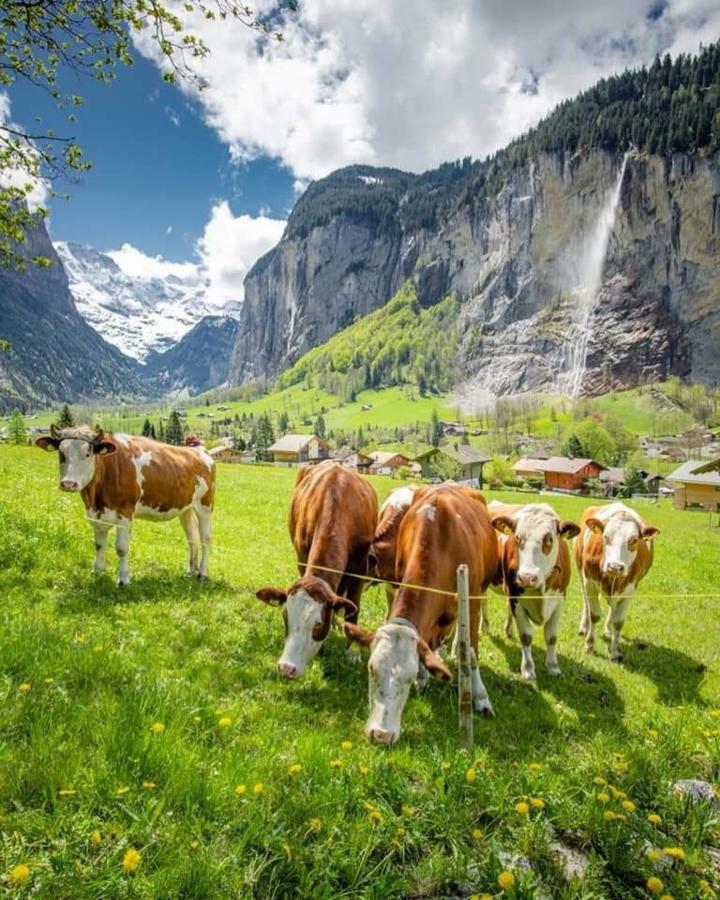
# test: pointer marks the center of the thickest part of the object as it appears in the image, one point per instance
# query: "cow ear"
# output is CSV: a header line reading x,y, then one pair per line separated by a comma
x,y
272,596
568,529
648,532
595,525
47,443
343,603
504,524
432,662
358,635
104,448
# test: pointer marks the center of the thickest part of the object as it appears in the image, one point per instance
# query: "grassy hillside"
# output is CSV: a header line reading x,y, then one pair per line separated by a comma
x,y
208,798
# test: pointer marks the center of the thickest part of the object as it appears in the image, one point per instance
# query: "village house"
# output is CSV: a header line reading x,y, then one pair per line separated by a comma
x,y
613,479
526,467
385,462
697,484
224,453
358,461
460,462
560,472
297,449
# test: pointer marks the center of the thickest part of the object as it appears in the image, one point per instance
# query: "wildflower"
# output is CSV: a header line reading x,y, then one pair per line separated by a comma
x,y
654,884
363,769
598,779
609,815
522,807
653,732
617,793
445,766
295,769
674,852
667,897
48,680
400,831
654,819
535,767
603,797
716,714
224,721
78,638
537,803
24,687
336,763
149,785
621,767
654,854
67,792
375,817
477,834
315,824
367,805
470,776
506,879
194,845
346,745
705,887
628,806
19,874
258,788
157,727
122,790
95,838
131,860
240,789
407,810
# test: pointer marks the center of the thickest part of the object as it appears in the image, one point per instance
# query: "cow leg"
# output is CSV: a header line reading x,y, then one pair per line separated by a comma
x,y
390,592
484,614
617,619
204,517
591,613
551,628
481,700
189,522
423,677
353,593
122,545
101,536
509,631
525,627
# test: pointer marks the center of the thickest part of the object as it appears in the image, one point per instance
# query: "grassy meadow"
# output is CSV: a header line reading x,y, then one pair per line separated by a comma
x,y
148,749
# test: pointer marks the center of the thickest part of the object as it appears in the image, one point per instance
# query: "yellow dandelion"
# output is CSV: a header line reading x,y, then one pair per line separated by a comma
x,y
95,838
621,818
149,785
131,860
653,732
400,831
258,788
628,806
705,887
407,810
603,797
197,718
98,648
654,819
477,834
79,638
240,789
537,802
122,790
470,776
24,687
346,745
157,727
315,824
654,855
336,763
224,721
654,884
621,767
609,815
67,792
49,680
363,769
367,805
535,767
598,779
194,844
522,807
294,769
506,880
666,897
617,793
445,766
19,874
375,817
674,852
716,714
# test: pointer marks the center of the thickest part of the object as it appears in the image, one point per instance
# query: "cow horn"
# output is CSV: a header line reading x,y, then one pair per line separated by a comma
x,y
98,432
54,431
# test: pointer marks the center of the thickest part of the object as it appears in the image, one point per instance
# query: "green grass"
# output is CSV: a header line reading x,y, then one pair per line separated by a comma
x,y
169,650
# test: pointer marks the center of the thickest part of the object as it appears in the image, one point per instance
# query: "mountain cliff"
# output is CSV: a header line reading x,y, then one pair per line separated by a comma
x,y
547,299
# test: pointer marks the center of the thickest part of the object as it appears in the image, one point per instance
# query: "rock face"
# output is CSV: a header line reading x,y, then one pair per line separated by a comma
x,y
517,259
54,354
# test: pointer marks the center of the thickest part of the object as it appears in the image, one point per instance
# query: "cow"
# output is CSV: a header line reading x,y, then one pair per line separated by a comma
x,y
333,514
381,559
613,553
534,573
446,525
121,478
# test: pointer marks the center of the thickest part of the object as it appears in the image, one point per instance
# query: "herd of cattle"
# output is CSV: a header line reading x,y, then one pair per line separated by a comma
x,y
414,543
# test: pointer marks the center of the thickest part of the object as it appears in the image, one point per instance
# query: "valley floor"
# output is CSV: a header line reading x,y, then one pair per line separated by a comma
x,y
150,719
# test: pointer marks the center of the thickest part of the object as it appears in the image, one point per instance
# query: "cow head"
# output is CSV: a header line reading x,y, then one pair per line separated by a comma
x,y
308,608
537,532
396,652
77,449
622,536
381,557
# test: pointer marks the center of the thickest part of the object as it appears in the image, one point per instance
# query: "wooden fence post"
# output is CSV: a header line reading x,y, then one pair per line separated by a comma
x,y
465,699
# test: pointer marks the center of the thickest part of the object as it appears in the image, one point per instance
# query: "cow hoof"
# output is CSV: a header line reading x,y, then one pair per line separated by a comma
x,y
589,648
555,671
509,635
617,657
582,630
527,676
123,583
484,708
201,578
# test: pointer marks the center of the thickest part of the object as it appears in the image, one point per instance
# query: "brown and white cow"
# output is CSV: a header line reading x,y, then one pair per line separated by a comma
x,y
381,559
445,526
534,573
121,478
613,553
333,513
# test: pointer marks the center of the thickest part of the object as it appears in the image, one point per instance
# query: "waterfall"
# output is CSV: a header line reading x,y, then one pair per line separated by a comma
x,y
572,358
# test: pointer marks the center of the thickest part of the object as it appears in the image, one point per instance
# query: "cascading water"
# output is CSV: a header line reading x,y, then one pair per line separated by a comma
x,y
572,358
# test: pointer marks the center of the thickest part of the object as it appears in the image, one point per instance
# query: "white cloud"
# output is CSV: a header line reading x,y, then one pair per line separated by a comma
x,y
412,83
13,177
227,250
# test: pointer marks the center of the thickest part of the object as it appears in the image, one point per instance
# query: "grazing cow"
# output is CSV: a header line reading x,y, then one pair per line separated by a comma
x,y
614,553
333,513
121,478
534,573
381,559
446,525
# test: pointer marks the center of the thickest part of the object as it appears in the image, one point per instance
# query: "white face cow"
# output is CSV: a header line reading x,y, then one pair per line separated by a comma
x,y
396,653
537,532
308,610
77,449
622,533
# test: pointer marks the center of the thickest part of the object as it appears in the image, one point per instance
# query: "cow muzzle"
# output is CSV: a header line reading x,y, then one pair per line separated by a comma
x,y
528,579
67,485
615,569
378,736
287,670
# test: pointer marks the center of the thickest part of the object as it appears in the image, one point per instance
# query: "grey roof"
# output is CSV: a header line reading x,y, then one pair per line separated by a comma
x,y
291,443
712,466
566,466
464,454
688,473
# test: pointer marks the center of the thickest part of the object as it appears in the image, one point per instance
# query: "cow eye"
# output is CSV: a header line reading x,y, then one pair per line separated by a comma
x,y
632,543
547,543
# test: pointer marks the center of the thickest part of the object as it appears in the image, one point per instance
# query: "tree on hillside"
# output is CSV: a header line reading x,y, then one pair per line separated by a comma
x,y
320,427
148,429
174,433
436,429
593,441
283,422
65,419
17,433
264,437
44,41
572,447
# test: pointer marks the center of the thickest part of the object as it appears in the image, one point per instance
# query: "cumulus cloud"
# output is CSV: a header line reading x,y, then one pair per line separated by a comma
x,y
18,178
227,250
412,83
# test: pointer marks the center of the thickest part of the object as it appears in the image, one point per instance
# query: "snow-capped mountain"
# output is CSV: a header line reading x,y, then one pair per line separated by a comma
x,y
139,315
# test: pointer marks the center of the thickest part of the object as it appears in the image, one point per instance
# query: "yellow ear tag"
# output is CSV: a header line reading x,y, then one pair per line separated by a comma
x,y
354,647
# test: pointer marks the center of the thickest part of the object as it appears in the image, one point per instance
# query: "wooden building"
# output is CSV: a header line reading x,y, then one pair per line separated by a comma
x,y
461,462
298,449
223,453
697,484
385,462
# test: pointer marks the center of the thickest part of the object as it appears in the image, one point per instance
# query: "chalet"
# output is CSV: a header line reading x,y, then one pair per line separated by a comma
x,y
460,462
528,466
358,461
613,478
297,449
223,453
697,484
569,474
385,462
